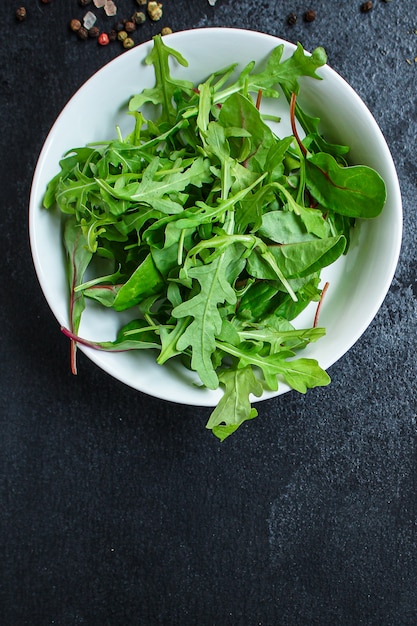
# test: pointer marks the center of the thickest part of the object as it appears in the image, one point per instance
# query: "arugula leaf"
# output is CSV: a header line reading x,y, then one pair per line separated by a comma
x,y
214,289
234,408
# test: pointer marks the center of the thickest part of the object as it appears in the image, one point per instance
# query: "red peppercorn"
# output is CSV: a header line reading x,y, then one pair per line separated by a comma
x,y
103,39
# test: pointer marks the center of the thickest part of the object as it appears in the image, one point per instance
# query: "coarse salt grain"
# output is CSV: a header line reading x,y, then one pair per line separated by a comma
x,y
89,20
110,8
212,2
99,3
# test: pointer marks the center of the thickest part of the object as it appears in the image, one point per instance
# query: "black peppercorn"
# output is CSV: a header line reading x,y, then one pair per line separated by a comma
x,y
291,19
310,15
93,32
113,35
84,3
21,14
366,6
82,33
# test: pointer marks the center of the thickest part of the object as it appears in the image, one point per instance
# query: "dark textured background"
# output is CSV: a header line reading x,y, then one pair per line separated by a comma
x,y
119,509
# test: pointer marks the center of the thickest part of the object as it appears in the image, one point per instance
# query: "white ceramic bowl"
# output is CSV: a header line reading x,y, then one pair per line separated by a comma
x,y
359,282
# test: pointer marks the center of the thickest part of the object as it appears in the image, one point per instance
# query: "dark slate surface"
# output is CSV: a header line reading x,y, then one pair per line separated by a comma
x,y
120,509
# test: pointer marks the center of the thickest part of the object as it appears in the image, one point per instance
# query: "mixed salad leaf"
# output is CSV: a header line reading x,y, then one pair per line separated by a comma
x,y
210,230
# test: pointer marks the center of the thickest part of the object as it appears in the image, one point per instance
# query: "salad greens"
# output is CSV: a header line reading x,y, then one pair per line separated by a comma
x,y
211,230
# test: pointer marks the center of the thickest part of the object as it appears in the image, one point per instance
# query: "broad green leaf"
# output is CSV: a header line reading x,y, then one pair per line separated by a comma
x,y
145,281
298,259
355,191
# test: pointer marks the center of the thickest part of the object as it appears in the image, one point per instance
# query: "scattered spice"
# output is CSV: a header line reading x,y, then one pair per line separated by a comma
x,y
82,33
366,6
155,10
84,3
292,19
103,39
93,32
141,2
130,26
122,35
128,43
139,17
310,15
166,30
21,14
75,25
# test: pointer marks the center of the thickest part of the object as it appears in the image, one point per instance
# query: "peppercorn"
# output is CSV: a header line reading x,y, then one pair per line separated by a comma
x,y
75,25
119,26
82,33
130,26
122,35
139,17
103,39
310,15
84,3
155,10
93,32
366,6
45,1
166,30
113,35
128,43
21,14
291,19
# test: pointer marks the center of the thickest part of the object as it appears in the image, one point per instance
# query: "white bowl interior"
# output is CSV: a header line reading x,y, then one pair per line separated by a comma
x,y
358,282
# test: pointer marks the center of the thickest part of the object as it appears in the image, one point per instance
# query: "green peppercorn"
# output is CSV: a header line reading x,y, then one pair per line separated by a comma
x,y
128,43
122,35
139,17
166,30
21,14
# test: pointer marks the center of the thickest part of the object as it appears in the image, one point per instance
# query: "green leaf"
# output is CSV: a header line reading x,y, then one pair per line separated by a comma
x,y
355,191
157,185
145,281
234,408
165,85
298,259
201,334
